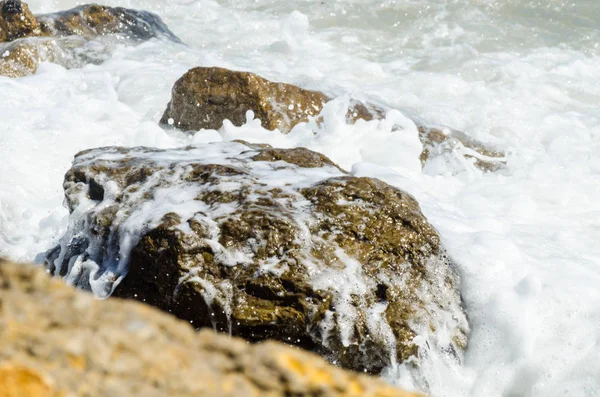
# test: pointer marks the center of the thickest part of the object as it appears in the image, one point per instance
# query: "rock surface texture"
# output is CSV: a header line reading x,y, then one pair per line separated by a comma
x,y
92,20
17,21
206,96
62,37
263,243
57,341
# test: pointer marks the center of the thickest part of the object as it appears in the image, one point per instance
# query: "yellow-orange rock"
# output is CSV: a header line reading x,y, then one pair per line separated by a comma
x,y
57,341
20,381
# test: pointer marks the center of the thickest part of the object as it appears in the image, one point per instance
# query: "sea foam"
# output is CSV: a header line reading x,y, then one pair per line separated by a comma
x,y
520,74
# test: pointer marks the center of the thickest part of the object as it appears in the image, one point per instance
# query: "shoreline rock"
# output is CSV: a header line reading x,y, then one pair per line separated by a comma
x,y
262,243
17,21
92,20
27,39
58,341
205,96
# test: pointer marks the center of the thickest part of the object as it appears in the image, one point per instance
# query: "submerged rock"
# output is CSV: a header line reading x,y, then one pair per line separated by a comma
x,y
440,141
92,20
62,37
206,96
57,341
22,57
263,243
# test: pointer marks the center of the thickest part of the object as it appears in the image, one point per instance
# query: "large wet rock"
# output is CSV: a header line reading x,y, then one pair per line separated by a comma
x,y
206,96
263,243
63,37
57,341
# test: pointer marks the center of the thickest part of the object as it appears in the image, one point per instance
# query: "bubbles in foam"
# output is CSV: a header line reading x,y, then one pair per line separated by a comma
x,y
522,74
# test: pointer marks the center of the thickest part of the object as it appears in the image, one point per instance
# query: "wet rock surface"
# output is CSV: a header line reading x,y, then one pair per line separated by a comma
x,y
206,96
17,21
22,57
63,37
92,20
57,341
263,243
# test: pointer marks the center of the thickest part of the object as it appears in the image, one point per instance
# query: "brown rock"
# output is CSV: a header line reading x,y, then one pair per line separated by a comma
x,y
57,341
360,110
298,156
205,97
59,37
264,243
17,21
92,20
19,59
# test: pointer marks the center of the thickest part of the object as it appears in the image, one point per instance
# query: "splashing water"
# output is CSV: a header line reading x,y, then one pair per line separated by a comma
x,y
522,75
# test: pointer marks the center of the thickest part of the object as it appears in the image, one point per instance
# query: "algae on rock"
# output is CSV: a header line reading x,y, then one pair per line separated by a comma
x,y
262,243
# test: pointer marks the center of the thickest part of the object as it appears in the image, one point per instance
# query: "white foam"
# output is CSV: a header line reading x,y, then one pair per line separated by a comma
x,y
521,74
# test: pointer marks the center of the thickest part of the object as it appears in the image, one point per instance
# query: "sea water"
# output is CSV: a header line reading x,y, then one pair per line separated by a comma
x,y
521,75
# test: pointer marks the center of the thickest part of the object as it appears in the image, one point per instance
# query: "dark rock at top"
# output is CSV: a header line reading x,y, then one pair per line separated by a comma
x,y
206,96
17,21
93,20
62,37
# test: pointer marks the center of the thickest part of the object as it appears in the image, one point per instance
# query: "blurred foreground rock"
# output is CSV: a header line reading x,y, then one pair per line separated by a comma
x,y
57,341
32,39
263,243
206,96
